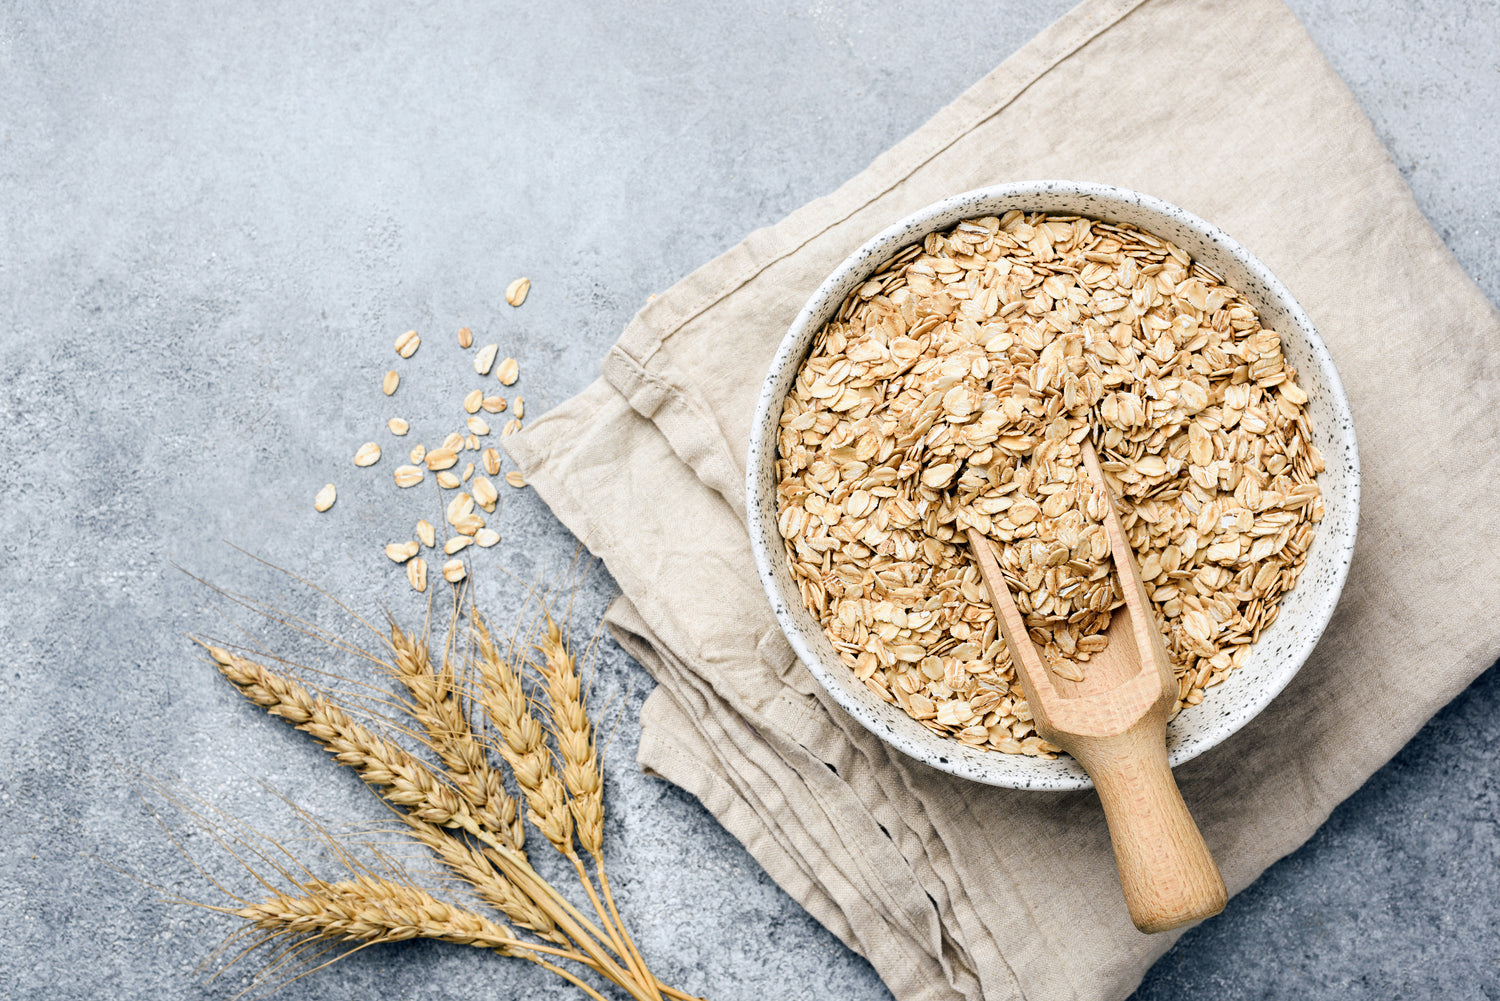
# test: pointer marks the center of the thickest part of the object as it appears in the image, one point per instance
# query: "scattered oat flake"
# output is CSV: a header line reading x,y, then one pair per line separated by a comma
x,y
515,292
458,507
508,372
515,479
485,494
389,383
407,344
454,442
416,574
473,401
448,481
511,427
468,524
472,443
325,497
456,543
400,552
453,571
478,426
519,408
367,455
408,476
418,453
465,337
441,458
397,426
426,533
491,460
468,472
493,404
486,537
485,359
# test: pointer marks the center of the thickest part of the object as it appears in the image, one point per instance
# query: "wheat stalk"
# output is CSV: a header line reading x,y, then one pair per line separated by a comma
x,y
403,781
461,810
585,783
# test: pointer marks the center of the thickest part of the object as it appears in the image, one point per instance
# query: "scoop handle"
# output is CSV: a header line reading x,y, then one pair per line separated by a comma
x,y
1166,871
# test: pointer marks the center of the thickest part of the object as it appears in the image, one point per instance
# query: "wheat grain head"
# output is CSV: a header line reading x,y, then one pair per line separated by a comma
x,y
395,775
575,742
523,742
369,909
437,705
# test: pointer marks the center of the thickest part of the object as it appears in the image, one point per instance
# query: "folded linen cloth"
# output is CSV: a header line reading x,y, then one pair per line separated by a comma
x,y
954,890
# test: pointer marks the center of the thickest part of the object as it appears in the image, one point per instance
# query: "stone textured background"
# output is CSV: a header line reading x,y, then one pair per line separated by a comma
x,y
214,219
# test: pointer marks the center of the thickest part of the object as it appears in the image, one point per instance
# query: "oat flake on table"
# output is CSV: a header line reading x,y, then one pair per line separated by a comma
x,y
953,388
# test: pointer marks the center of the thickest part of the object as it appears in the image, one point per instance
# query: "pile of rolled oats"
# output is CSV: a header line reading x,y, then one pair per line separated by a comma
x,y
953,389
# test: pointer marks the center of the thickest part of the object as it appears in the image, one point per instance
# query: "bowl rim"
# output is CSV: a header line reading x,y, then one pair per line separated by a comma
x,y
867,258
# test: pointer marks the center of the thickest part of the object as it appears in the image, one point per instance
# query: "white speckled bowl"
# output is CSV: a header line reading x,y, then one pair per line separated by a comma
x,y
1281,650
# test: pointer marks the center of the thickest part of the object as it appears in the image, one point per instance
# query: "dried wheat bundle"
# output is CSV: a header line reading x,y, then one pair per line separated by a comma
x,y
481,707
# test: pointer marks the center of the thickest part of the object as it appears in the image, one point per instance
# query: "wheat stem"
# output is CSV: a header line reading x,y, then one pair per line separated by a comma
x,y
568,977
673,992
567,917
609,928
609,898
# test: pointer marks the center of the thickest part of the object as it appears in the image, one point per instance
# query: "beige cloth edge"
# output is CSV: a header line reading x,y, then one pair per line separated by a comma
x,y
1380,593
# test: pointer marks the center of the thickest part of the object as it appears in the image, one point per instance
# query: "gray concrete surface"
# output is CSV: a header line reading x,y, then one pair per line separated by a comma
x,y
214,218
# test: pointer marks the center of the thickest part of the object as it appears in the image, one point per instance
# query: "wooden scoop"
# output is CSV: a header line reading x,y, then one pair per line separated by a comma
x,y
1114,722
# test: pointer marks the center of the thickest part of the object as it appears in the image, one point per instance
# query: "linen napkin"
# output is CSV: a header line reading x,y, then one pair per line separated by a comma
x,y
955,890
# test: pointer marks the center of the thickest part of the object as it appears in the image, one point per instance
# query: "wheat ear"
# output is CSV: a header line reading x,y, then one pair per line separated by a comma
x,y
371,910
435,704
399,778
585,783
570,724
524,747
403,781
368,909
523,743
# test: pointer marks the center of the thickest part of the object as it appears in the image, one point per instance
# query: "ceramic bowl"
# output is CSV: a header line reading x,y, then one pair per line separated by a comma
x,y
1281,649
